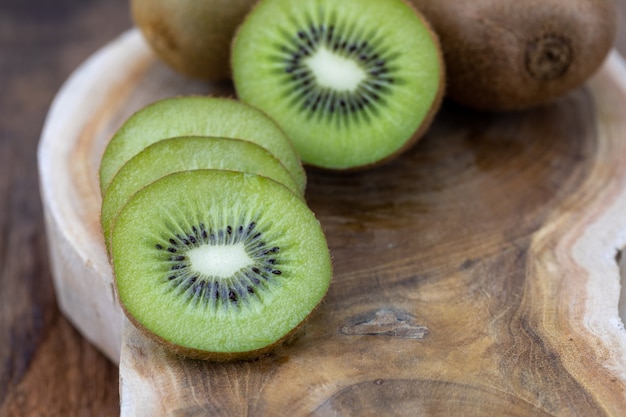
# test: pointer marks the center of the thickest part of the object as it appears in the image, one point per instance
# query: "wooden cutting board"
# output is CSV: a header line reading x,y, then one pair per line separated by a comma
x,y
476,275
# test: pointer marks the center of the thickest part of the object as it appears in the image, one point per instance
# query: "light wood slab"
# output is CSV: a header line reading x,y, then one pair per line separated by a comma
x,y
476,275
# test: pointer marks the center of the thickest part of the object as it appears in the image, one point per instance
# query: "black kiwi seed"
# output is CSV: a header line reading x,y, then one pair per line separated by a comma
x,y
219,292
320,100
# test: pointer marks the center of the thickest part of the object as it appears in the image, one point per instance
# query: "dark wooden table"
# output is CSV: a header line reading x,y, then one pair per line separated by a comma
x,y
46,367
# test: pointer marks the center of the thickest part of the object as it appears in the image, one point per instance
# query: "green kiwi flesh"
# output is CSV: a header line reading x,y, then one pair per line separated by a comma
x,y
197,116
511,55
187,153
193,37
210,264
352,83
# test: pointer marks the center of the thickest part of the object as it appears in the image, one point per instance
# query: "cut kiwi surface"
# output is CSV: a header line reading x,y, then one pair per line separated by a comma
x,y
187,153
352,82
197,116
211,263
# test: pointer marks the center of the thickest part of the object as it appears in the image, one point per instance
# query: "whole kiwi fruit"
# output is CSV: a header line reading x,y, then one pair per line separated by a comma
x,y
510,54
193,37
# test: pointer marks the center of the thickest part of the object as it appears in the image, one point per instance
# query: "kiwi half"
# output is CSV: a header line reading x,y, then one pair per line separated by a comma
x,y
352,82
187,153
197,116
210,264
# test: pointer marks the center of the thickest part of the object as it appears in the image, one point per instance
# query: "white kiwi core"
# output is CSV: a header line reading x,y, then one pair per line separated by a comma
x,y
334,71
220,261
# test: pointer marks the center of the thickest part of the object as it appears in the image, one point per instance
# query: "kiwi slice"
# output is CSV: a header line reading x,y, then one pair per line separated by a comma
x,y
197,116
352,82
187,153
210,263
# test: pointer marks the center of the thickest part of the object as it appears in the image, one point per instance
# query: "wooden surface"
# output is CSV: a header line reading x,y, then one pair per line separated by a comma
x,y
47,368
476,274
489,260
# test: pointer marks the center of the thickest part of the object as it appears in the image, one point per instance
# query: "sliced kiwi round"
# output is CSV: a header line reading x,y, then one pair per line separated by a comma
x,y
187,153
352,82
219,265
197,116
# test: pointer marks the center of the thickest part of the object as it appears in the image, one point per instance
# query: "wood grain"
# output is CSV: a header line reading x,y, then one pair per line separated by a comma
x,y
477,272
46,367
494,239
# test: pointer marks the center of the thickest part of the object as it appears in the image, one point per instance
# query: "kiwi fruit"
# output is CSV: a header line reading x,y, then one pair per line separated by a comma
x,y
187,153
353,83
192,37
209,263
509,55
197,116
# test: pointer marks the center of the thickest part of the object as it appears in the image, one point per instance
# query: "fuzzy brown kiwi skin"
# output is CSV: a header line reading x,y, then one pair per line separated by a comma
x,y
511,55
193,37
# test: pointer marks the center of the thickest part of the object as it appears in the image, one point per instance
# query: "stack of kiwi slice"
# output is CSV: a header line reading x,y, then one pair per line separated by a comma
x,y
197,116
214,250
